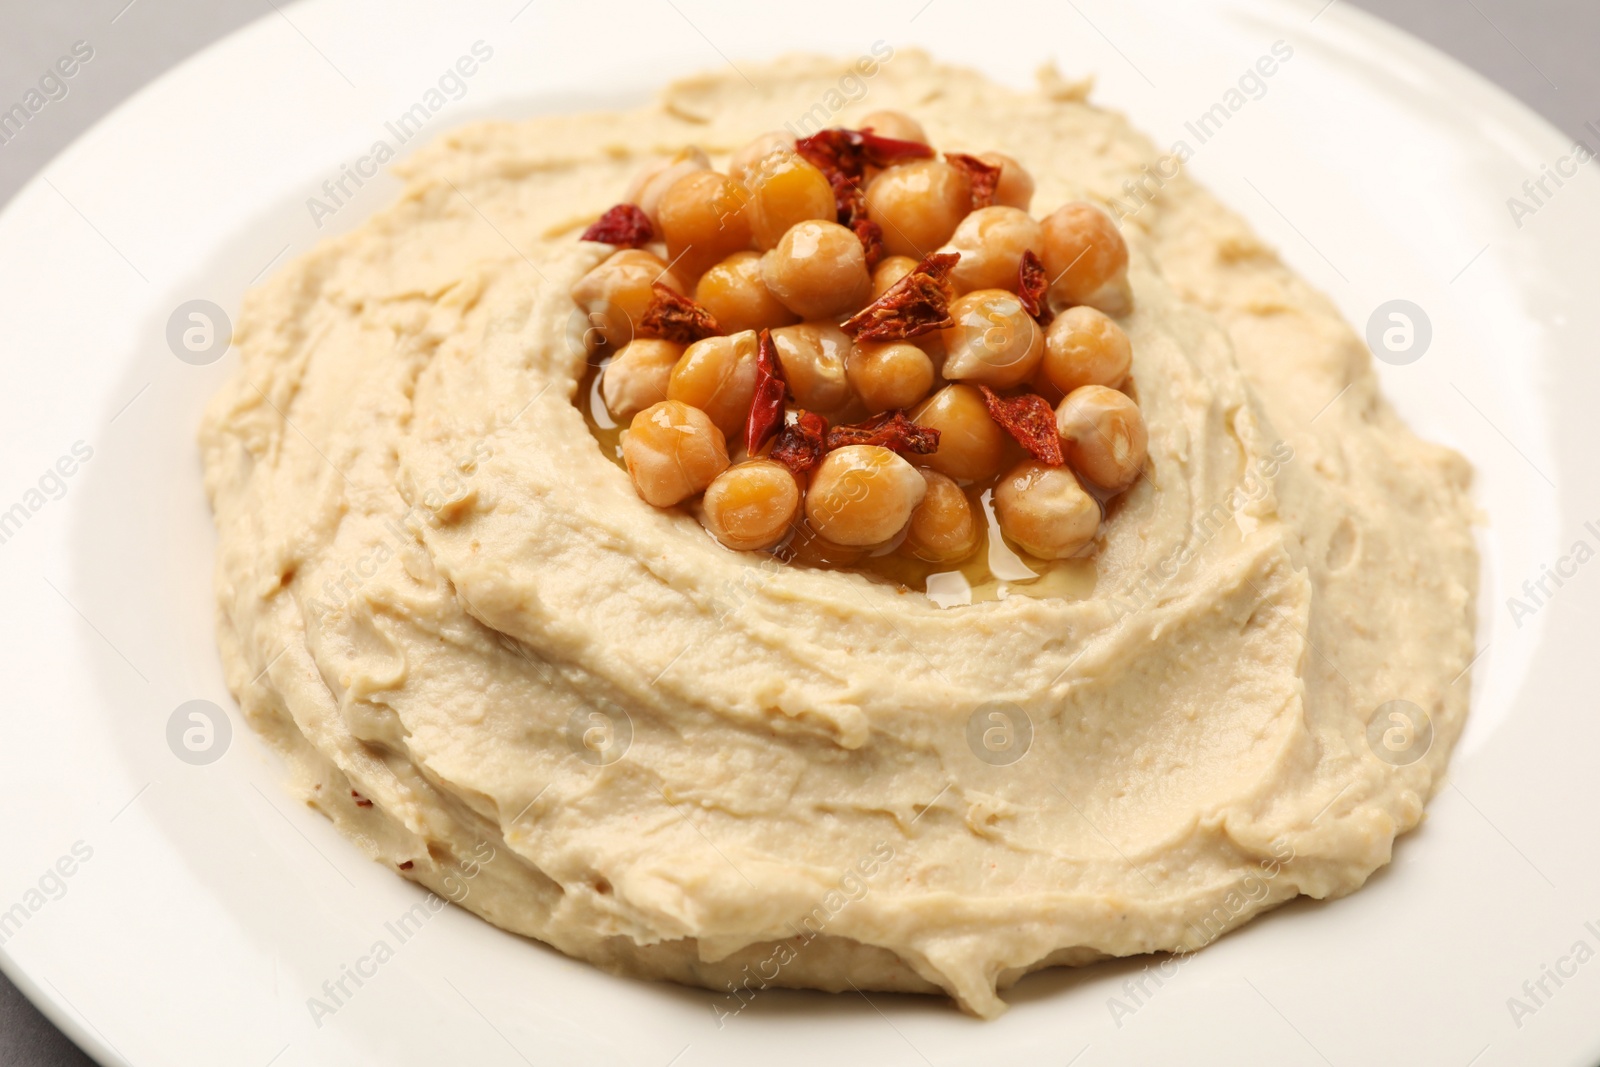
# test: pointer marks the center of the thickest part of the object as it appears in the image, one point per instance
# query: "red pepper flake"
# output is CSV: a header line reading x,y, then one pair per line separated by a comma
x,y
871,235
626,226
1032,283
851,152
766,409
890,430
674,317
844,155
917,304
985,177
802,443
1030,419
407,865
361,801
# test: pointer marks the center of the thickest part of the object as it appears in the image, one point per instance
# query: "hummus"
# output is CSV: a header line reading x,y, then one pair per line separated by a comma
x,y
501,672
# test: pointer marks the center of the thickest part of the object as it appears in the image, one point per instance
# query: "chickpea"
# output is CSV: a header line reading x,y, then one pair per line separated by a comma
x,y
1087,259
919,205
1016,184
890,270
890,375
863,495
994,340
718,376
991,241
617,292
896,124
703,220
813,357
750,505
638,376
1103,436
818,270
1045,510
971,444
647,189
1085,347
943,527
737,297
745,160
673,452
786,189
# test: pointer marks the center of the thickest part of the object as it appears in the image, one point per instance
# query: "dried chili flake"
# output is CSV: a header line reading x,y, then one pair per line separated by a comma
x,y
361,801
674,317
407,865
626,226
984,177
851,152
890,430
871,237
844,155
802,443
917,304
766,408
880,151
1032,283
1030,420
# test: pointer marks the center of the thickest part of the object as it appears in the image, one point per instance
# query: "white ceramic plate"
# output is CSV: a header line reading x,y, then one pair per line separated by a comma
x,y
203,908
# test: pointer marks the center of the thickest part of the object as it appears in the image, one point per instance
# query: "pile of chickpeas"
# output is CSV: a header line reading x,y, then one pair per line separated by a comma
x,y
761,248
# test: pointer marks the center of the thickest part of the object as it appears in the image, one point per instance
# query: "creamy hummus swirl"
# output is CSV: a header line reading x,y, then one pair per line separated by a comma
x,y
434,589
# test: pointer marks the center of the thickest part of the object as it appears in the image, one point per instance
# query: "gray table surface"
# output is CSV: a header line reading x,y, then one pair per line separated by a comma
x,y
1540,51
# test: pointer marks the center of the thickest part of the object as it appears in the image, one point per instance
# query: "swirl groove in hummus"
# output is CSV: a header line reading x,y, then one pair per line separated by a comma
x,y
431,581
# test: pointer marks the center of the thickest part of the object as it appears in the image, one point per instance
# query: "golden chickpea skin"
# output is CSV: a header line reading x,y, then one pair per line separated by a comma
x,y
737,297
888,375
813,356
652,182
718,376
746,158
1103,436
896,124
919,205
943,527
1046,510
786,189
994,340
673,451
889,271
750,505
991,241
1087,259
863,495
1015,188
971,444
704,220
638,376
617,292
1086,347
818,270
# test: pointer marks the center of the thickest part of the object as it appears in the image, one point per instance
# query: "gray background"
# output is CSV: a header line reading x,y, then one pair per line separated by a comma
x,y
1541,51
